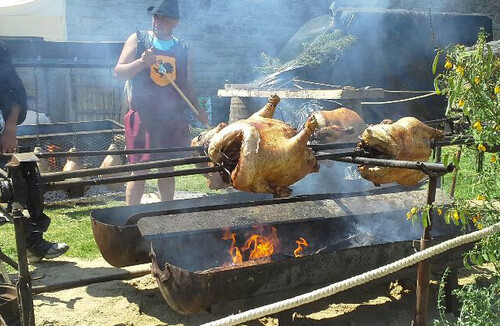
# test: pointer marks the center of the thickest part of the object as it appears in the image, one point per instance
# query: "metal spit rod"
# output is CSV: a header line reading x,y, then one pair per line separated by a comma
x,y
427,168
56,176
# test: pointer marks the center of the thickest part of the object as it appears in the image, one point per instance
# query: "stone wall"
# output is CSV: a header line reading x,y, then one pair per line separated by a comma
x,y
226,37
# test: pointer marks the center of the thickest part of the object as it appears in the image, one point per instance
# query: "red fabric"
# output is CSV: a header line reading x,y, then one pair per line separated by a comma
x,y
143,132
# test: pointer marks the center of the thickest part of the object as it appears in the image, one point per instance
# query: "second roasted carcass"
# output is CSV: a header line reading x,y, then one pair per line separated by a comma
x,y
262,154
406,139
214,179
341,125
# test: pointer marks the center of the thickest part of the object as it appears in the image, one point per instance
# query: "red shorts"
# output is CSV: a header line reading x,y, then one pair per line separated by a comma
x,y
150,133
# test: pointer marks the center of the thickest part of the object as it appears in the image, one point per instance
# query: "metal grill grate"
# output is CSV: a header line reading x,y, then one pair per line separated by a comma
x,y
84,136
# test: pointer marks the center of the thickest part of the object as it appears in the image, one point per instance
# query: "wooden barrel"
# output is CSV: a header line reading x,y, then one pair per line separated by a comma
x,y
239,109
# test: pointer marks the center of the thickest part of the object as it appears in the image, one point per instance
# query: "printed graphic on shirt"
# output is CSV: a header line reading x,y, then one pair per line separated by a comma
x,y
165,65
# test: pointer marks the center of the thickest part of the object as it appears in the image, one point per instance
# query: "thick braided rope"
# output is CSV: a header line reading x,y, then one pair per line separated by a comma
x,y
355,280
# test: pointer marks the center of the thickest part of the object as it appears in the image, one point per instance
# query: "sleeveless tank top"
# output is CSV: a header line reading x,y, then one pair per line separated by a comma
x,y
151,92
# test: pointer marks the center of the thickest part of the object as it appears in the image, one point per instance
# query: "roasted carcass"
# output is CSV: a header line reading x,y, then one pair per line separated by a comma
x,y
73,163
338,126
214,179
109,161
406,139
262,154
43,164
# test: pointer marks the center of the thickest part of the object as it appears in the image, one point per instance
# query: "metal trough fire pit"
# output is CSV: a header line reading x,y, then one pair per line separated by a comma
x,y
347,234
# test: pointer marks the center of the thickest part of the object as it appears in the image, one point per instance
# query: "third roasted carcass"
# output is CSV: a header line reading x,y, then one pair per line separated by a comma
x,y
406,139
339,125
262,154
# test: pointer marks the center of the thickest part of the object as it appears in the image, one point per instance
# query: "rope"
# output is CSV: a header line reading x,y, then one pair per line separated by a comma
x,y
340,87
355,280
399,101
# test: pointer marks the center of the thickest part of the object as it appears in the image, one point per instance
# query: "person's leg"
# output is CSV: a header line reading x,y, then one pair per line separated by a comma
x,y
166,186
134,190
39,248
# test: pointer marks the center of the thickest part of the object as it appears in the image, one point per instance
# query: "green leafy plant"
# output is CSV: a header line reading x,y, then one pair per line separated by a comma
x,y
471,82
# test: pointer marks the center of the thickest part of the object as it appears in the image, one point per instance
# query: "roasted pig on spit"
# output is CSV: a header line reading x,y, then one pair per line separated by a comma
x,y
214,179
262,154
338,126
406,139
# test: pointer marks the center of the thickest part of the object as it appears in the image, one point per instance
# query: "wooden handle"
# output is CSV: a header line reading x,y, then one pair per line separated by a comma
x,y
184,97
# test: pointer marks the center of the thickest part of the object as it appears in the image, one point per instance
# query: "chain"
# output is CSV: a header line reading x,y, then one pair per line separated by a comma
x,y
38,143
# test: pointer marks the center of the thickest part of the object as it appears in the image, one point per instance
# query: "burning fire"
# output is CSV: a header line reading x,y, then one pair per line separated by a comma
x,y
301,242
52,160
234,252
262,246
263,243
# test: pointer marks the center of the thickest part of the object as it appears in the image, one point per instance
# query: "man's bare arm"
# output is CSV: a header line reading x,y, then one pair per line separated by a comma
x,y
128,66
8,139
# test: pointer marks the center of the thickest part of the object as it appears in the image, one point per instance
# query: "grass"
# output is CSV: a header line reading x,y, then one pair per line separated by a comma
x,y
468,185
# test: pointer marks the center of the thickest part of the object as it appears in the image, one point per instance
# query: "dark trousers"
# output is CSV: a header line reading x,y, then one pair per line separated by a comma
x,y
33,230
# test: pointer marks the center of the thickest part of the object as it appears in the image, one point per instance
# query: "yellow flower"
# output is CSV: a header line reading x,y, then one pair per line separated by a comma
x,y
478,126
412,212
497,89
477,80
476,219
440,211
493,159
460,70
461,103
456,217
481,197
448,64
481,147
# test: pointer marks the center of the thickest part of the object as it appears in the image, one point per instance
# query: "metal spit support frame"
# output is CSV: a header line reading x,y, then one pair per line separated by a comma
x,y
15,191
57,180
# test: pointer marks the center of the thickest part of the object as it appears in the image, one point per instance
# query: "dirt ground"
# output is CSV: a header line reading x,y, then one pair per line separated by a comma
x,y
138,301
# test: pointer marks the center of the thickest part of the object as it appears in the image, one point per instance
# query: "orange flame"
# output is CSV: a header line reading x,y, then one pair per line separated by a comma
x,y
234,252
259,245
301,242
263,246
52,160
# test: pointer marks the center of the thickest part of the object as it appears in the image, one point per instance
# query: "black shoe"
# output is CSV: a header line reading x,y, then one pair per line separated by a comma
x,y
53,250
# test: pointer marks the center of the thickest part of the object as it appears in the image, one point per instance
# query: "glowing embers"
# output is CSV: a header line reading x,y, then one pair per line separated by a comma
x,y
258,247
53,164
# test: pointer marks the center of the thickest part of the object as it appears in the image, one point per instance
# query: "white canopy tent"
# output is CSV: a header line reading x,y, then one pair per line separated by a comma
x,y
41,18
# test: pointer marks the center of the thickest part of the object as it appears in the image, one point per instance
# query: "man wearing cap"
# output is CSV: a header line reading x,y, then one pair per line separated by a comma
x,y
150,61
